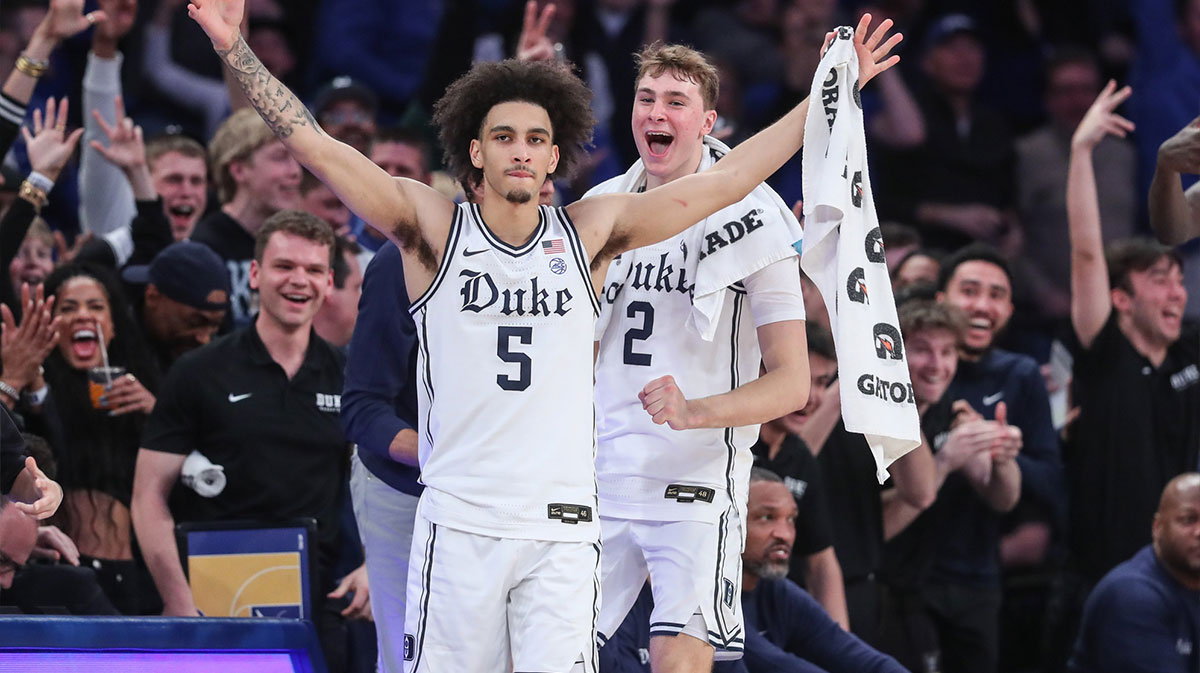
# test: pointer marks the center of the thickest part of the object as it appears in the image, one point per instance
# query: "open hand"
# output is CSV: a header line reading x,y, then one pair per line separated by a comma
x,y
873,51
126,149
52,494
49,145
1100,119
65,18
220,19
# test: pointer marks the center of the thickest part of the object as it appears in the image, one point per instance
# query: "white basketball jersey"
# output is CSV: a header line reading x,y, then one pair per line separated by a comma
x,y
649,471
504,380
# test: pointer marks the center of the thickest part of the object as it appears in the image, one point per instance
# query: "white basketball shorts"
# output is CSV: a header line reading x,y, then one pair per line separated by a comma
x,y
695,571
482,604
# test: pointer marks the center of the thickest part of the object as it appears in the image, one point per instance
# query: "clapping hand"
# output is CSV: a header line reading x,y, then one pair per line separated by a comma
x,y
24,347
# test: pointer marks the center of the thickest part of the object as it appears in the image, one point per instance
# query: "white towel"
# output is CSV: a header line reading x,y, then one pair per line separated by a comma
x,y
844,257
202,476
730,254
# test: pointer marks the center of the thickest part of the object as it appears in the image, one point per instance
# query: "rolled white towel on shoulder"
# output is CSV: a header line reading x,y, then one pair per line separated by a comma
x,y
202,476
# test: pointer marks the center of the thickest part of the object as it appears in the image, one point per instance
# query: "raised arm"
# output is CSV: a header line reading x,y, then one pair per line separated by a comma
x,y
627,221
1091,303
105,198
390,205
1174,214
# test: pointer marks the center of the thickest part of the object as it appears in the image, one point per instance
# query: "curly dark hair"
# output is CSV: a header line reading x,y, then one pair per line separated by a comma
x,y
460,113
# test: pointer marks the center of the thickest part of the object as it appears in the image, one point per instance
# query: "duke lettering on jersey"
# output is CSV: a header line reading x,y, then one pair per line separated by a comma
x,y
731,232
479,293
504,336
652,277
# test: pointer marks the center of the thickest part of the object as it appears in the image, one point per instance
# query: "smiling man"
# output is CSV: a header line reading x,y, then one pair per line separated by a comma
x,y
679,407
263,403
256,177
1136,377
963,592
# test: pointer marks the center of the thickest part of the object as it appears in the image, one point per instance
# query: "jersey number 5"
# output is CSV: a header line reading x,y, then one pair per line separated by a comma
x,y
639,333
504,337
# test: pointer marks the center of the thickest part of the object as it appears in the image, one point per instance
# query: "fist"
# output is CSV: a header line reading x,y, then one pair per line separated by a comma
x,y
664,401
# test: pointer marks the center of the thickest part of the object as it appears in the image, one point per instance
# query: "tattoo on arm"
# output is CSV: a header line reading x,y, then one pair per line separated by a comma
x,y
278,106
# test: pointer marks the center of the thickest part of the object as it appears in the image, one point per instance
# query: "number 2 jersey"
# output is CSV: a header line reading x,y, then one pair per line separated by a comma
x,y
504,381
652,472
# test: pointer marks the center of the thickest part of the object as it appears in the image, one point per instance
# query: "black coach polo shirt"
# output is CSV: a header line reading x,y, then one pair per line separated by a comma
x,y
1139,426
278,440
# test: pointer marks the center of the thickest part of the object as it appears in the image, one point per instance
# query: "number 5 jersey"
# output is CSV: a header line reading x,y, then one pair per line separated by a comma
x,y
504,380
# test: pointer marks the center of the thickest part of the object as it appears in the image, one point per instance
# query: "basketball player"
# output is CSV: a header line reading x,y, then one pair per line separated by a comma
x,y
505,557
678,412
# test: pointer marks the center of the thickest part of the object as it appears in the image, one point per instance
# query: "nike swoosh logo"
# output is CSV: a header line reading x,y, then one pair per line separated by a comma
x,y
238,398
992,399
468,253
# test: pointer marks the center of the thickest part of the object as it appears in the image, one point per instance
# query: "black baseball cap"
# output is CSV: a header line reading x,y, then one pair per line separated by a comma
x,y
344,88
947,27
188,272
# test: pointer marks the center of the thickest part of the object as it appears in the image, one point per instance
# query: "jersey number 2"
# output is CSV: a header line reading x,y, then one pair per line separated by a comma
x,y
504,337
639,333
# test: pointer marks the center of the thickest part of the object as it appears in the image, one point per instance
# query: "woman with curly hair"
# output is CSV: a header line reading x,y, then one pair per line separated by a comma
x,y
95,438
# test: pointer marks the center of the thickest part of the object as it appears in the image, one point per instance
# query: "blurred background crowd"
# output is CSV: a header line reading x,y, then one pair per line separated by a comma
x,y
125,143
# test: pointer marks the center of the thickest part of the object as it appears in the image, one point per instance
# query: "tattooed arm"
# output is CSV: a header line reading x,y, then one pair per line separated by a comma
x,y
389,204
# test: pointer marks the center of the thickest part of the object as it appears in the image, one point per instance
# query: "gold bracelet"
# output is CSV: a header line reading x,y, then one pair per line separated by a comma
x,y
32,194
31,67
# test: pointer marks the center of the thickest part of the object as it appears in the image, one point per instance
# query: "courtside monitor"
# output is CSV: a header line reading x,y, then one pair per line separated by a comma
x,y
39,644
250,568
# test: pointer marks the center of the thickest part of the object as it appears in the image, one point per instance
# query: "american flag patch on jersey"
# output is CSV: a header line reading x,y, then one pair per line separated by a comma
x,y
553,247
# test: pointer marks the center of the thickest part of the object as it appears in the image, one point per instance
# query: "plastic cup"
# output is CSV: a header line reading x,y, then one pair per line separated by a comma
x,y
100,380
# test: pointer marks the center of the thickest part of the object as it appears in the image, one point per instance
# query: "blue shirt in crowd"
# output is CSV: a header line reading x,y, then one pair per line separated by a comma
x,y
781,620
1138,619
380,394
970,547
783,624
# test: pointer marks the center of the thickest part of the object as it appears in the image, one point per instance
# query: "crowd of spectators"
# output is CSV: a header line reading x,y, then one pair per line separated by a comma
x,y
146,211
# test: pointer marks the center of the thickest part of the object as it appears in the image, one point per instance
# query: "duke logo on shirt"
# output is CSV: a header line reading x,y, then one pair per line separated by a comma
x,y
329,402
